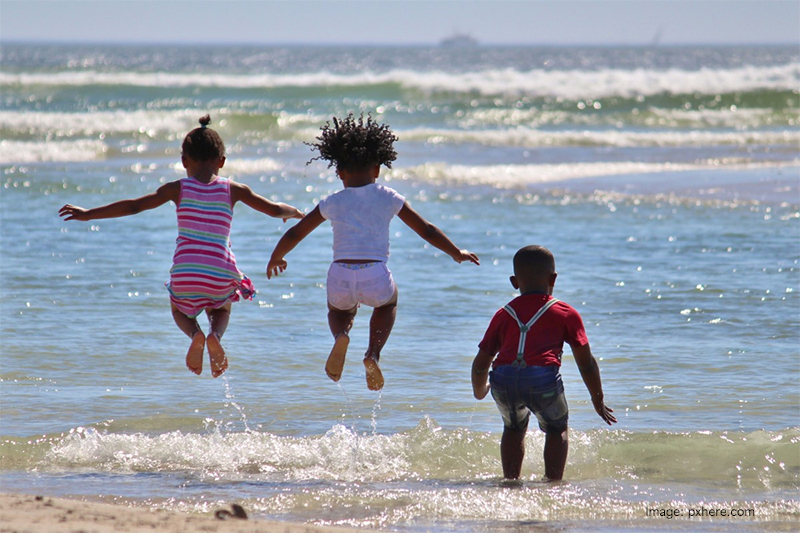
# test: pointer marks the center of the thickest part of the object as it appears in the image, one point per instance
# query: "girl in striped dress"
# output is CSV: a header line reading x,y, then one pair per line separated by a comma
x,y
204,276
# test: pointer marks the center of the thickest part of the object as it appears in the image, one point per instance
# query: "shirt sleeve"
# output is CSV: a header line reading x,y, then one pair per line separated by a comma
x,y
491,339
324,205
397,200
575,331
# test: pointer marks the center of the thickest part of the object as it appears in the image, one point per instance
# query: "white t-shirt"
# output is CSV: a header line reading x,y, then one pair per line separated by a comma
x,y
360,218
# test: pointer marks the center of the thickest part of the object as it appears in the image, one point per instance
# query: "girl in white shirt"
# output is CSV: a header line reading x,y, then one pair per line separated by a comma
x,y
360,216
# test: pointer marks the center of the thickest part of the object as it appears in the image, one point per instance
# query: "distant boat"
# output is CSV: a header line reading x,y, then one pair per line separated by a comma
x,y
656,40
459,40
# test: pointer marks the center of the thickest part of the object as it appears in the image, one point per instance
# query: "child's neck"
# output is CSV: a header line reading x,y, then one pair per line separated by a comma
x,y
205,175
359,181
359,178
202,171
536,289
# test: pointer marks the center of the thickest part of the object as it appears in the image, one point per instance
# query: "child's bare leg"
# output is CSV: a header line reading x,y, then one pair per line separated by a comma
x,y
380,327
556,446
218,320
512,452
340,323
194,357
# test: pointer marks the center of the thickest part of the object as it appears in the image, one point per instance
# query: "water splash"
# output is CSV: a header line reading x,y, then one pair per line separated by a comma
x,y
230,401
375,409
760,459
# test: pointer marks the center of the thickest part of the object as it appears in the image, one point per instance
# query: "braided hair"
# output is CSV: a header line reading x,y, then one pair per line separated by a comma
x,y
203,143
355,145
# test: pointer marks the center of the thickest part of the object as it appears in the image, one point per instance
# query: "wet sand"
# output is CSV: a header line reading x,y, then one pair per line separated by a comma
x,y
37,514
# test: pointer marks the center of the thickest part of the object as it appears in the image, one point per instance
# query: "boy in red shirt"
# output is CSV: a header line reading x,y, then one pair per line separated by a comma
x,y
523,345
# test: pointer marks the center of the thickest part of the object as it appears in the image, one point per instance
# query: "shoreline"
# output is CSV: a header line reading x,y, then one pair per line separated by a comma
x,y
24,513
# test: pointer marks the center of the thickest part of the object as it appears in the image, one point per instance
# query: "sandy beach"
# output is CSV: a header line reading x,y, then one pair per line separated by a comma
x,y
37,514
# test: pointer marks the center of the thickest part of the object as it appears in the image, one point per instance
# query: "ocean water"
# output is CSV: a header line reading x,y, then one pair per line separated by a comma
x,y
665,180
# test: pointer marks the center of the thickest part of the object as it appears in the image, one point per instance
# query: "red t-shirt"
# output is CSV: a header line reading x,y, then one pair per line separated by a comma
x,y
545,341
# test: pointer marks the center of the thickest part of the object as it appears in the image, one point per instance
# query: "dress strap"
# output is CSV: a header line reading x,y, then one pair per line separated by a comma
x,y
524,328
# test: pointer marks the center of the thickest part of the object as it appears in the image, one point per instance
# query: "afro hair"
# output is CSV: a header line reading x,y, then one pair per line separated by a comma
x,y
354,145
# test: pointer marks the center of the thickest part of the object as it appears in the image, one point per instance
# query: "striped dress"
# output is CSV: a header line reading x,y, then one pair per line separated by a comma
x,y
204,273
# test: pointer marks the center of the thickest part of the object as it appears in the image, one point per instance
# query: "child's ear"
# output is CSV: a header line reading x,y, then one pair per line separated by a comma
x,y
513,280
183,160
552,281
376,171
222,161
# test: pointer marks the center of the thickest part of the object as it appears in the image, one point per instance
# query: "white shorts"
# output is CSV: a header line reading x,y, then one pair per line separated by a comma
x,y
370,284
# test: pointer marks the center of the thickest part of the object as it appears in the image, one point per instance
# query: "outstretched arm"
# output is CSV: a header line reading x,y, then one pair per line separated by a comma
x,y
242,193
292,238
480,374
590,373
123,208
434,235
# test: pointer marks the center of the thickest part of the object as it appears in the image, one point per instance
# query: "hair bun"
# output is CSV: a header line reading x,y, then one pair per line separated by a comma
x,y
205,120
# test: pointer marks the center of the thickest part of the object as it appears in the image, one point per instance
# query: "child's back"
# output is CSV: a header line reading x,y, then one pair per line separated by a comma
x,y
360,216
523,346
204,276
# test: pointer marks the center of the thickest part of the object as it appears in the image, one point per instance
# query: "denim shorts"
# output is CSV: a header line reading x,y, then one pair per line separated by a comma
x,y
538,389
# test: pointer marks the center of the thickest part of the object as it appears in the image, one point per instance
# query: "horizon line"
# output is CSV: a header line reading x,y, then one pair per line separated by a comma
x,y
382,44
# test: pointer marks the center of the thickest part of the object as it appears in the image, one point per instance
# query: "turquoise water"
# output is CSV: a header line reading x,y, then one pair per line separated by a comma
x,y
664,180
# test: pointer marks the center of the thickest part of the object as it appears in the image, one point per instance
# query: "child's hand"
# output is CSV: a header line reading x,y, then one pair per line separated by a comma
x,y
466,255
604,411
73,212
297,214
275,267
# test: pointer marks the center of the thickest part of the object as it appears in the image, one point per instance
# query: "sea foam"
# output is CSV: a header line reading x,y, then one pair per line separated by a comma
x,y
760,459
51,151
534,138
568,84
62,124
510,176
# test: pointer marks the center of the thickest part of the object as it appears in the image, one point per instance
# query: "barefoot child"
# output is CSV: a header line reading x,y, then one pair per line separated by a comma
x,y
523,344
204,276
360,216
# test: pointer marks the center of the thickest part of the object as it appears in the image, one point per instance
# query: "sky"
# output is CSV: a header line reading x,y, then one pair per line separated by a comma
x,y
399,22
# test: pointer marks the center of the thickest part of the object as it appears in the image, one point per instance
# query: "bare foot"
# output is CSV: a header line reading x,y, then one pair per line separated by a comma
x,y
194,357
335,363
216,355
374,374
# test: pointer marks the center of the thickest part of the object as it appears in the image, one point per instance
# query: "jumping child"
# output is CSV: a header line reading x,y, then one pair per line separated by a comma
x,y
204,276
360,216
523,344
